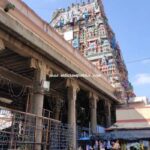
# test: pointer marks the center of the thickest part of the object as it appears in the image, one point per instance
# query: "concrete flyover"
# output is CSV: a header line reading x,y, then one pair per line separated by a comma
x,y
38,46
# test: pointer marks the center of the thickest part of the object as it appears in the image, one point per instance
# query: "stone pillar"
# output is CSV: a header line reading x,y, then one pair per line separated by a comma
x,y
59,103
37,100
108,113
113,114
57,114
2,45
93,109
38,95
73,88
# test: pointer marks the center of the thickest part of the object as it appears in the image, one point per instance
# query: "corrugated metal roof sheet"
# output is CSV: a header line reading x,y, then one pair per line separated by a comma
x,y
126,135
130,125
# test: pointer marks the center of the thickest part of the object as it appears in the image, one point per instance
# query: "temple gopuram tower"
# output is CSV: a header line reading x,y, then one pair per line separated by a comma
x,y
85,26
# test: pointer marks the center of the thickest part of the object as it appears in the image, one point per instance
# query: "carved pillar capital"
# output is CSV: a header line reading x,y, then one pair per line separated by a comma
x,y
41,71
72,83
93,95
93,99
73,89
107,104
36,64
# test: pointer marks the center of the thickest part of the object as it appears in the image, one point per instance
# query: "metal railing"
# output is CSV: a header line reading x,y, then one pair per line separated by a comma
x,y
19,130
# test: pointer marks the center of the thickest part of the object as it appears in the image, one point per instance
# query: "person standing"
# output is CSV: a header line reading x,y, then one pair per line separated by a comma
x,y
116,146
101,146
89,147
109,147
96,145
80,148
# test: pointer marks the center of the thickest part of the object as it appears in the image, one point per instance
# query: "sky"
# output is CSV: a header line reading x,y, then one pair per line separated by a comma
x,y
130,21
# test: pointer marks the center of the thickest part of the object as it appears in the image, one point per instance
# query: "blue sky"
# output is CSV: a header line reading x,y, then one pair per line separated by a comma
x,y
130,20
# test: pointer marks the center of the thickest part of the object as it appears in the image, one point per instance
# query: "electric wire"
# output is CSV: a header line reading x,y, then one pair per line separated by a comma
x,y
138,60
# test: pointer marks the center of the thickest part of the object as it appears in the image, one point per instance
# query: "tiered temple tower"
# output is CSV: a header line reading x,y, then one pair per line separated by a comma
x,y
86,27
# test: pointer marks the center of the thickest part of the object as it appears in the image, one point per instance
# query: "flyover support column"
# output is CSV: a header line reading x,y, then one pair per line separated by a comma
x,y
73,89
93,108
